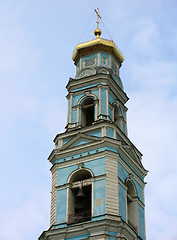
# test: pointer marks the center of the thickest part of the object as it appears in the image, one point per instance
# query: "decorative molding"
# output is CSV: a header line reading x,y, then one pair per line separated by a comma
x,y
89,61
103,70
85,72
80,165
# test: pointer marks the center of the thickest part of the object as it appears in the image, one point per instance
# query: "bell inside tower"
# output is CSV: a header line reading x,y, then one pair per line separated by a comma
x,y
97,172
80,197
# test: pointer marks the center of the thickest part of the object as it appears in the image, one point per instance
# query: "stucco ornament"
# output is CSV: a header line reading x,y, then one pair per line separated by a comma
x,y
98,202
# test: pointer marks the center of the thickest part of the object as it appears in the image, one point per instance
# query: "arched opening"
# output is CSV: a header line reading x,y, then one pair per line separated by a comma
x,y
132,205
103,70
80,175
79,198
87,112
117,116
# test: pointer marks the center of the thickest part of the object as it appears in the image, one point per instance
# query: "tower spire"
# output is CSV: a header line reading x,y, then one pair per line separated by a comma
x,y
97,173
97,31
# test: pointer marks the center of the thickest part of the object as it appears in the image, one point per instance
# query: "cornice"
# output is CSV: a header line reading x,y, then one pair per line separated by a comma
x,y
73,84
110,223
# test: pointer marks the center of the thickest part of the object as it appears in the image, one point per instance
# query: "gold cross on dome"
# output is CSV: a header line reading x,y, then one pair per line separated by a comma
x,y
98,16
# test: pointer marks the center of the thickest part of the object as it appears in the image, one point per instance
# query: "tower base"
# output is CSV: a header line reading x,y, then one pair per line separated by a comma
x,y
108,228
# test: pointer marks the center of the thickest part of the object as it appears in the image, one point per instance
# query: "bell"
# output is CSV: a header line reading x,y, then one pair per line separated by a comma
x,y
80,194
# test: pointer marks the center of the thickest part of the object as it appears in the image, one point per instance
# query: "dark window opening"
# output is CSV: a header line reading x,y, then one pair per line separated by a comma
x,y
80,198
82,205
87,116
131,206
116,116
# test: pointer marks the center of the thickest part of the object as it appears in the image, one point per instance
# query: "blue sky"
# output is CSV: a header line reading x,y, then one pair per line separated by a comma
x,y
37,39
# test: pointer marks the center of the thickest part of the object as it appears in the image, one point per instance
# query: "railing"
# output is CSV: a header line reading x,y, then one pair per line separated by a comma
x,y
79,217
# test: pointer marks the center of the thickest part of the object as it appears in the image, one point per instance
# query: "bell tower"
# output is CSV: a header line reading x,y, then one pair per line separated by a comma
x,y
97,172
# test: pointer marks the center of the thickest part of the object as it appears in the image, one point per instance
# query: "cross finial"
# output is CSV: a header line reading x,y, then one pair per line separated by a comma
x,y
97,31
98,16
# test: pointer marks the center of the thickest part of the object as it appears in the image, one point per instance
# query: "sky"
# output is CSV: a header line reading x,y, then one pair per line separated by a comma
x,y
37,38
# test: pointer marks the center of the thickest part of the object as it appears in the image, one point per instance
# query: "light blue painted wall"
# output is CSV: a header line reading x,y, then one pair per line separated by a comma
x,y
63,174
80,116
79,237
94,113
74,116
115,77
110,113
86,87
99,193
122,172
96,92
109,132
76,99
139,190
113,63
104,55
111,99
131,167
97,134
117,80
78,155
66,140
123,128
123,113
103,101
111,233
61,206
141,222
62,225
87,56
68,109
111,149
97,218
81,142
96,166
122,202
86,153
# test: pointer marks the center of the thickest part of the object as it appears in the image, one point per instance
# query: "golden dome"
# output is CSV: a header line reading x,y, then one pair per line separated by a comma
x,y
98,44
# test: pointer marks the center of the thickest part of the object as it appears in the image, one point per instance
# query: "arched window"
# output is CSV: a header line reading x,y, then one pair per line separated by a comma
x,y
79,196
117,116
132,210
87,112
